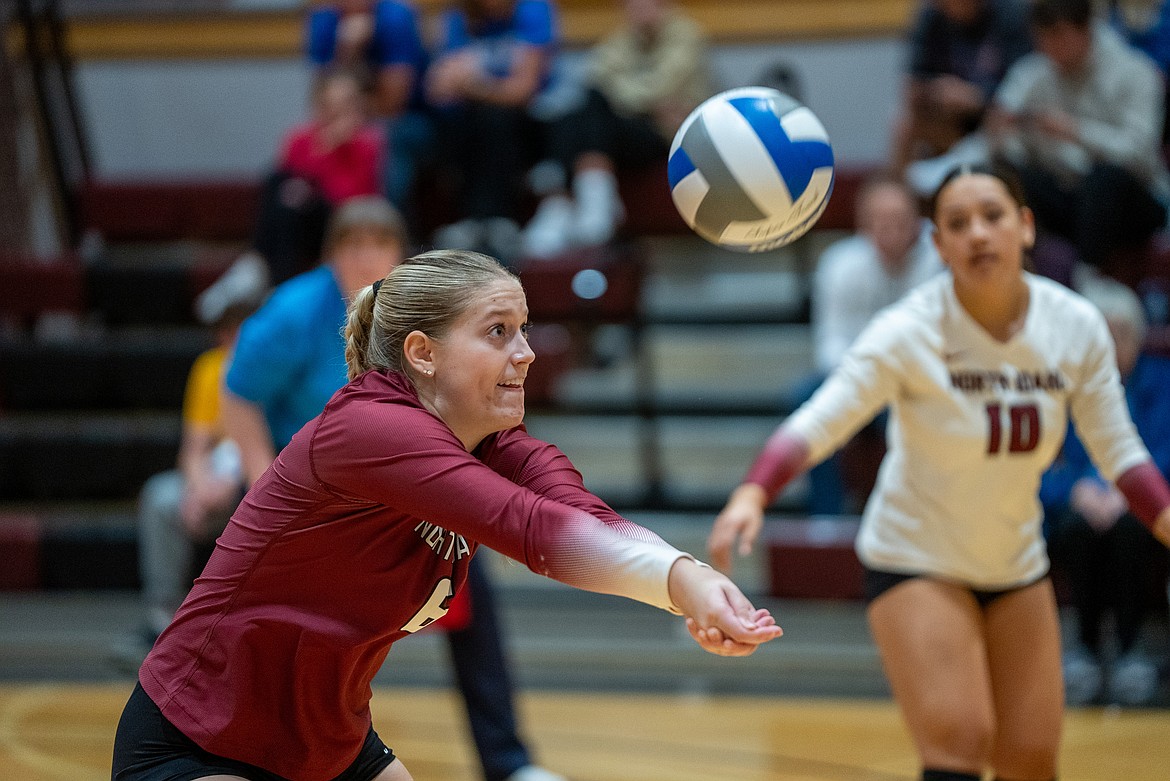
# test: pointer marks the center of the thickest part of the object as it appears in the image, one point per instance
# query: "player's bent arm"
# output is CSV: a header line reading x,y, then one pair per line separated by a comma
x,y
517,88
1148,495
719,618
424,472
576,548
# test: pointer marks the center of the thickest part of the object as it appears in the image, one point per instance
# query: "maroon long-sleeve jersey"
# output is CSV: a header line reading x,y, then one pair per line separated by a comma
x,y
357,536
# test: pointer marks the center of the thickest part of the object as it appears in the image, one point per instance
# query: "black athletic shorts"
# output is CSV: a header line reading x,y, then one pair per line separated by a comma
x,y
878,582
150,748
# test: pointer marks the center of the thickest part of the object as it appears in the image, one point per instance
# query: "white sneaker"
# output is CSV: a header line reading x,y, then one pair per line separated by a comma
x,y
549,233
535,773
599,207
244,283
1134,680
1082,677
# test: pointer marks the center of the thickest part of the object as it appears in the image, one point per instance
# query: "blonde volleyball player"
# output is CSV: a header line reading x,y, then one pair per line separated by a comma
x,y
361,531
980,367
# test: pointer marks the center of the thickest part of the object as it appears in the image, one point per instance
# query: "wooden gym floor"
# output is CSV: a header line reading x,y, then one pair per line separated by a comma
x,y
53,732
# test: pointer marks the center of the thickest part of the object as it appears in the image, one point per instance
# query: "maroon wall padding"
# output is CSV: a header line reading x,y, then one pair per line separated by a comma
x,y
20,555
550,291
226,210
649,208
813,559
167,210
29,287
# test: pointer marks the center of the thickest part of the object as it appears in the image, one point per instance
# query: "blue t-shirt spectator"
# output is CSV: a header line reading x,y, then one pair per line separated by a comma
x,y
1153,39
532,23
290,357
395,40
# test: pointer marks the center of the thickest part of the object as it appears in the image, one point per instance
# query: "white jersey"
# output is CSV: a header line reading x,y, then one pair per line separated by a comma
x,y
974,422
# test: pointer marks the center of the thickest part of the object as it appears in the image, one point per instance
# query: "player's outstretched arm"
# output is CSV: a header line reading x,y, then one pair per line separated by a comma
x,y
738,526
719,617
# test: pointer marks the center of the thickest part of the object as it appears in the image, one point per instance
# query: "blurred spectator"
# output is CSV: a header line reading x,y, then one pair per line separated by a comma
x,y
338,151
959,51
1107,554
289,361
290,358
493,62
333,157
647,75
182,509
856,278
1146,26
380,40
1081,119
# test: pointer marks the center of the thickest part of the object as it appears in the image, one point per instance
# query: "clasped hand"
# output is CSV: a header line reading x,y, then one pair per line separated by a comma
x,y
719,617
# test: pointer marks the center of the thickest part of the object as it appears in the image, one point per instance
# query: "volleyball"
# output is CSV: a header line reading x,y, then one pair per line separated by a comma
x,y
751,169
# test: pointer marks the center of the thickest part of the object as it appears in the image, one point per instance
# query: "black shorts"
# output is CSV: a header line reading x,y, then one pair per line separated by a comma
x,y
878,582
147,747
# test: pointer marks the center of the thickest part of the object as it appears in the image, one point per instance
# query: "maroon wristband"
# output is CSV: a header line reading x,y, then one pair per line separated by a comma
x,y
783,458
1146,491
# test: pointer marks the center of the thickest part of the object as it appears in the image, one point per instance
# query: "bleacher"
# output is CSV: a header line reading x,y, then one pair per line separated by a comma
x,y
94,354
91,411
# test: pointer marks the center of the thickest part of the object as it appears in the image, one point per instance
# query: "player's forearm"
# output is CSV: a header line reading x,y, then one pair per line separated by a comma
x,y
582,552
784,457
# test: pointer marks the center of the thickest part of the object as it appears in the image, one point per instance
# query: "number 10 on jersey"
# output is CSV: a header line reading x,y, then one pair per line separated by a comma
x,y
1022,422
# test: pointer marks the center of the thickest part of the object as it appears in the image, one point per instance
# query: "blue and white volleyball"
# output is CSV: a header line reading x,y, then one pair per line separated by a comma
x,y
751,169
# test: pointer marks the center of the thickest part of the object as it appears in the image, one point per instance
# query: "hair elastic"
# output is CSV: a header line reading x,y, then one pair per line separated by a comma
x,y
376,286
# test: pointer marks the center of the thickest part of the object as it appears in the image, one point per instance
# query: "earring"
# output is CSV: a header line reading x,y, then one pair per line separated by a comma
x,y
429,372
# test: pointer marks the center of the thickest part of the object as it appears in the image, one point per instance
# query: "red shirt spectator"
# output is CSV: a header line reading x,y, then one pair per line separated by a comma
x,y
337,150
341,171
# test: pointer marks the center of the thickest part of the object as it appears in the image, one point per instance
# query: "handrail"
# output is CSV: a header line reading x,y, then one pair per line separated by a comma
x,y
62,134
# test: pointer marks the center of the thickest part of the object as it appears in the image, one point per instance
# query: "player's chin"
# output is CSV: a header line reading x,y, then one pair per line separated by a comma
x,y
511,408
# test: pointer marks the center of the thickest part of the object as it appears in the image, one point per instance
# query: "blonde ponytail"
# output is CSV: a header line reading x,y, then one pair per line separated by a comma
x,y
358,326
